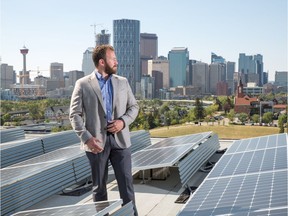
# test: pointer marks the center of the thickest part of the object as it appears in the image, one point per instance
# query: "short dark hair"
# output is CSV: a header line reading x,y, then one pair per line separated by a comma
x,y
99,52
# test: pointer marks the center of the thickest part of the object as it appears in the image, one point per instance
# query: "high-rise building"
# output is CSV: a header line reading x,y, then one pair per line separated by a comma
x,y
251,67
148,50
126,40
189,78
201,76
56,71
87,61
103,38
158,80
56,75
230,70
217,73
162,65
178,66
147,87
74,76
8,76
281,78
217,59
222,88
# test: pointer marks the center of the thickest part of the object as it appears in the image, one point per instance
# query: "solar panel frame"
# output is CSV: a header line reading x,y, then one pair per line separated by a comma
x,y
168,152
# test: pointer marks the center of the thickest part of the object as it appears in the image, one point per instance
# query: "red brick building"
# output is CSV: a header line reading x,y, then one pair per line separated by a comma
x,y
243,103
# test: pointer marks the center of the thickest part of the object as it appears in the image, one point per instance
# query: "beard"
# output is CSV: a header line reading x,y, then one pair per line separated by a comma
x,y
110,70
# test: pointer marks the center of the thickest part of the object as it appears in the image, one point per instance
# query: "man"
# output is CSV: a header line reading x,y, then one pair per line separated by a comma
x,y
102,108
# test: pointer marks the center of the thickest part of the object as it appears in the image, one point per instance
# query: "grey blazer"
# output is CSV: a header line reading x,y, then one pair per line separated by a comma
x,y
87,114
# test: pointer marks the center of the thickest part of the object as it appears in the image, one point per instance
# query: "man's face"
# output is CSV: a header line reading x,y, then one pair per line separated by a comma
x,y
110,62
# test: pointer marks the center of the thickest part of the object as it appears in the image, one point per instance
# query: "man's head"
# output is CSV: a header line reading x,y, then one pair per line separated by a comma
x,y
104,59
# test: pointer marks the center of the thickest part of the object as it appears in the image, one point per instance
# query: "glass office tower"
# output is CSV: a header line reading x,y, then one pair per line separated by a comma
x,y
178,66
126,40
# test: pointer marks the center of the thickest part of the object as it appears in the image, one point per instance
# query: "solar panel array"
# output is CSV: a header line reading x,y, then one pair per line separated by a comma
x,y
20,150
249,179
30,181
10,134
87,209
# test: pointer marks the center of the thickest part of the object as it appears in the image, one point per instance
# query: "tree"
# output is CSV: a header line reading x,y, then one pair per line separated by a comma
x,y
255,118
164,108
282,120
228,105
267,117
243,117
191,115
231,115
210,110
199,109
5,118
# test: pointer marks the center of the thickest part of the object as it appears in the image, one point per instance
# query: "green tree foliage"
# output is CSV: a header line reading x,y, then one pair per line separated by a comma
x,y
243,117
231,115
164,108
282,121
191,115
255,118
267,117
199,110
210,110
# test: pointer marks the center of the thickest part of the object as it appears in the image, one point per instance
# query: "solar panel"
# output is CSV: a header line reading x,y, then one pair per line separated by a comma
x,y
166,152
91,209
161,157
249,179
22,170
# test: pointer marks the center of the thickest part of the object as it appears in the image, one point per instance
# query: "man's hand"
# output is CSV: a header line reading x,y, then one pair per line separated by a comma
x,y
115,126
94,145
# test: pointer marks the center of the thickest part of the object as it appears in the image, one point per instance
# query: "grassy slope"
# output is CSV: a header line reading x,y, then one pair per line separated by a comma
x,y
224,132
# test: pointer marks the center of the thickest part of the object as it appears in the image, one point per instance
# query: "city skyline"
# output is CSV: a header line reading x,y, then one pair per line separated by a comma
x,y
61,31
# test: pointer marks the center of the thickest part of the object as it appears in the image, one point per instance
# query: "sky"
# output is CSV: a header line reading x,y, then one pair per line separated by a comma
x,y
61,30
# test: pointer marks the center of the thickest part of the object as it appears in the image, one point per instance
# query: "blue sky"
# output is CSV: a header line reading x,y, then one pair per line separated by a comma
x,y
60,30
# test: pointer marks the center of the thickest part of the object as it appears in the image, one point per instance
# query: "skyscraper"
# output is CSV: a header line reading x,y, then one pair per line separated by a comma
x,y
281,78
217,59
251,67
7,76
178,66
161,65
126,40
148,50
103,38
201,76
87,62
56,75
217,73
230,70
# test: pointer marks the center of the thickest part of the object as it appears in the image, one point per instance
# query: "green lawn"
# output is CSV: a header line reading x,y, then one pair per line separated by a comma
x,y
224,132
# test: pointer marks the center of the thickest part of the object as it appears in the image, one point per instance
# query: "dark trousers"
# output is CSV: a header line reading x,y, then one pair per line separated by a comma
x,y
121,162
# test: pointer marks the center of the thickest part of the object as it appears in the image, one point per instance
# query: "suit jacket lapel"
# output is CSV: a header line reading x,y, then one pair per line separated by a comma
x,y
115,86
96,88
